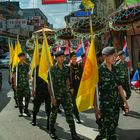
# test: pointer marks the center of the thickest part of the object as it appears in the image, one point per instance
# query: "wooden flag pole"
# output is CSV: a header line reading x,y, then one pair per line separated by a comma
x,y
51,84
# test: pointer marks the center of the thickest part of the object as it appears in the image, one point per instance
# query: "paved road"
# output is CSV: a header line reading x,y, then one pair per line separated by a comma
x,y
15,128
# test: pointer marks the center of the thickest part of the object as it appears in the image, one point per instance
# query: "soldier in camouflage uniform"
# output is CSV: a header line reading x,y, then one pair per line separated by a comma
x,y
60,82
75,78
110,90
40,95
123,76
22,88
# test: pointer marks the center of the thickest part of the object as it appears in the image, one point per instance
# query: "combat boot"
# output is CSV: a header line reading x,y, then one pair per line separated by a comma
x,y
99,137
78,119
16,104
48,123
52,133
34,119
21,112
113,137
26,111
74,135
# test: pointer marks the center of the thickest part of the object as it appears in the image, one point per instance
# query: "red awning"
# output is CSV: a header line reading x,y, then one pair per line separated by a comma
x,y
53,1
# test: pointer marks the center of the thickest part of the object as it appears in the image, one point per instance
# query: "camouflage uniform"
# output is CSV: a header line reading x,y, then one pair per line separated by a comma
x,y
41,95
123,76
75,77
62,95
109,101
23,89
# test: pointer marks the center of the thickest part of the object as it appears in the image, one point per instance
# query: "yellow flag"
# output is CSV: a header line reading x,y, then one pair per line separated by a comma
x,y
45,60
35,59
11,51
17,51
89,80
88,4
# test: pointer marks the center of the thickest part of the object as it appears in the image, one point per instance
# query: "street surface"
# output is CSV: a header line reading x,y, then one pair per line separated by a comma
x,y
13,127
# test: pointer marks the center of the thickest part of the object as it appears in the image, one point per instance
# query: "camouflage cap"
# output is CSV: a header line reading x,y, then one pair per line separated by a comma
x,y
121,53
108,51
59,53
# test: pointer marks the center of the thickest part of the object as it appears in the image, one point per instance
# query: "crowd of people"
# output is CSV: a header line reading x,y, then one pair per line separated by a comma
x,y
62,87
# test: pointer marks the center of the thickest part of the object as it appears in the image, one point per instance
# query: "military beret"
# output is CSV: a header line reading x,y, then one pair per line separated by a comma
x,y
99,53
21,54
72,54
121,53
108,51
59,53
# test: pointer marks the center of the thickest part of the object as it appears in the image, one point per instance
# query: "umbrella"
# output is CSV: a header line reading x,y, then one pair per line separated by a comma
x,y
83,25
125,17
46,30
65,34
49,33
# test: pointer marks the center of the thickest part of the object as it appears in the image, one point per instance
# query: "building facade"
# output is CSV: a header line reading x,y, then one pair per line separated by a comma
x,y
16,21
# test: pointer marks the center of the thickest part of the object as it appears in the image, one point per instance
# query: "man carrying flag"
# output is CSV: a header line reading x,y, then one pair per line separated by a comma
x,y
110,91
61,84
39,86
21,84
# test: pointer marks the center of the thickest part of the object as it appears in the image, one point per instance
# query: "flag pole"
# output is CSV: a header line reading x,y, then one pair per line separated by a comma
x,y
35,69
9,42
51,84
97,90
17,65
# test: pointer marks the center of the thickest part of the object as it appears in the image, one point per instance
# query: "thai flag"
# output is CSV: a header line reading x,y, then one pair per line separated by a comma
x,y
80,51
135,79
125,49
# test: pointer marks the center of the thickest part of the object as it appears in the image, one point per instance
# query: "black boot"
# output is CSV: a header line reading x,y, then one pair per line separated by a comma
x,y
34,119
99,137
21,112
52,133
74,135
16,104
113,137
78,119
26,111
48,123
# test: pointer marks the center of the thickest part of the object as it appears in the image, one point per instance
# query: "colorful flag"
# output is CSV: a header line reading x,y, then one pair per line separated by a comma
x,y
53,1
85,97
17,51
125,49
136,79
80,51
45,60
35,59
11,51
